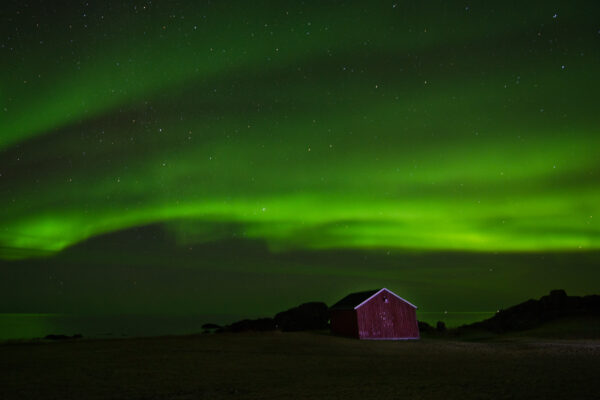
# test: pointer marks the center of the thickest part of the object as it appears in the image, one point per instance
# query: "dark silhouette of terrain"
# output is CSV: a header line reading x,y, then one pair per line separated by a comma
x,y
424,327
63,337
521,317
307,316
534,313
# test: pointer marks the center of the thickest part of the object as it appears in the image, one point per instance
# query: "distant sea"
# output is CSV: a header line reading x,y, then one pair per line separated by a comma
x,y
28,326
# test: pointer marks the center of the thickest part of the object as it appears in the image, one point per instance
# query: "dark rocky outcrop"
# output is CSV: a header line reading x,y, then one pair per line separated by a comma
x,y
425,327
533,313
440,326
307,316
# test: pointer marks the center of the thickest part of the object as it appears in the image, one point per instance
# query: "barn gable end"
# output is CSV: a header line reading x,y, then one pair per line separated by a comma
x,y
387,291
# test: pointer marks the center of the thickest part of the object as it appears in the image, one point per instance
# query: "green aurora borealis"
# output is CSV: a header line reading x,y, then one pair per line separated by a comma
x,y
436,134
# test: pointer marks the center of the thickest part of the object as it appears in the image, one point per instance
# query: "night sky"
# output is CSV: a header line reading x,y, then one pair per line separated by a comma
x,y
235,157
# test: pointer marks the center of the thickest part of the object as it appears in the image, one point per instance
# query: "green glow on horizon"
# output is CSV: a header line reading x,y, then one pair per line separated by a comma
x,y
311,127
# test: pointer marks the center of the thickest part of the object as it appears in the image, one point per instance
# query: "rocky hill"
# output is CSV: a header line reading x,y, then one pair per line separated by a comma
x,y
533,313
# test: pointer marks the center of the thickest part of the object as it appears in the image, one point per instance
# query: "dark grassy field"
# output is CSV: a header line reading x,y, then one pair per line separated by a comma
x,y
299,365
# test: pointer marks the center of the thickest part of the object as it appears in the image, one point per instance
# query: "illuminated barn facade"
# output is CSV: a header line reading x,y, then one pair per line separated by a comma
x,y
374,314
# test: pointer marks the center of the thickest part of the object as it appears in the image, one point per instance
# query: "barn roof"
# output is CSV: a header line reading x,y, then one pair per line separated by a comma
x,y
354,300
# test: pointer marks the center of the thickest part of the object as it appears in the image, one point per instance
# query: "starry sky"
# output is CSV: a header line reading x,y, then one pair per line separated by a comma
x,y
155,155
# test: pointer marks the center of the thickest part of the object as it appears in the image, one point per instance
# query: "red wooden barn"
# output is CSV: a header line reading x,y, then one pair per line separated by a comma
x,y
374,314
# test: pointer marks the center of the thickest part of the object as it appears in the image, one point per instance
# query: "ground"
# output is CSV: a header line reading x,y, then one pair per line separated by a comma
x,y
299,366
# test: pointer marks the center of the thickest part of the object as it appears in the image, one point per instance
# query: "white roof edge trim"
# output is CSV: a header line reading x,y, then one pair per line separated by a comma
x,y
390,292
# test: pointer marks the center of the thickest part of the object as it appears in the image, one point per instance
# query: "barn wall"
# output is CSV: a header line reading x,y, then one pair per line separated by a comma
x,y
394,319
343,322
